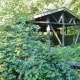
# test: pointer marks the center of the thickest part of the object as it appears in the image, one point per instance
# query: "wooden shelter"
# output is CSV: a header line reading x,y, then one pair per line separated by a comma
x,y
58,18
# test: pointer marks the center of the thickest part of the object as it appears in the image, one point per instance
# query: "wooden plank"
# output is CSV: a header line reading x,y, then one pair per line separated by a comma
x,y
56,35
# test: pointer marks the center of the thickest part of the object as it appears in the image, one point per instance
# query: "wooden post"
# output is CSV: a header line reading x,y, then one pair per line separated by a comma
x,y
66,38
48,31
63,41
74,31
63,35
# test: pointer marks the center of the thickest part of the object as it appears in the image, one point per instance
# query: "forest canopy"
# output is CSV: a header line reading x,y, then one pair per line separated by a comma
x,y
22,10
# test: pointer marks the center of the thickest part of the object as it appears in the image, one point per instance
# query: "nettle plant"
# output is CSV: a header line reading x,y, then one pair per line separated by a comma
x,y
24,57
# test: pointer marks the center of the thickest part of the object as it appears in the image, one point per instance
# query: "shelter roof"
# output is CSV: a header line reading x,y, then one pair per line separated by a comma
x,y
57,18
68,13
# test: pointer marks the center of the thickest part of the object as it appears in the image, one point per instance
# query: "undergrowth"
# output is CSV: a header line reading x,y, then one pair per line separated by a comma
x,y
23,56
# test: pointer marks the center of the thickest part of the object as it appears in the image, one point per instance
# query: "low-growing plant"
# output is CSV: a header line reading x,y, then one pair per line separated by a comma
x,y
24,57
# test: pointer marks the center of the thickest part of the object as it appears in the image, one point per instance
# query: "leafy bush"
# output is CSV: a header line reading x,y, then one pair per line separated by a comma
x,y
24,57
23,53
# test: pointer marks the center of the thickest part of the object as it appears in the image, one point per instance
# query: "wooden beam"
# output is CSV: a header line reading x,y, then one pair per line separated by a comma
x,y
60,19
63,34
70,20
77,37
54,18
56,35
56,23
70,12
48,31
66,19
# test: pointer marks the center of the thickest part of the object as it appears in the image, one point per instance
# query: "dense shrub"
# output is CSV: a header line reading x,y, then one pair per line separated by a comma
x,y
24,57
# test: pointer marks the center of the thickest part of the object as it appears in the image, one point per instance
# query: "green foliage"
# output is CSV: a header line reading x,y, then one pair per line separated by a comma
x,y
24,54
24,57
75,7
